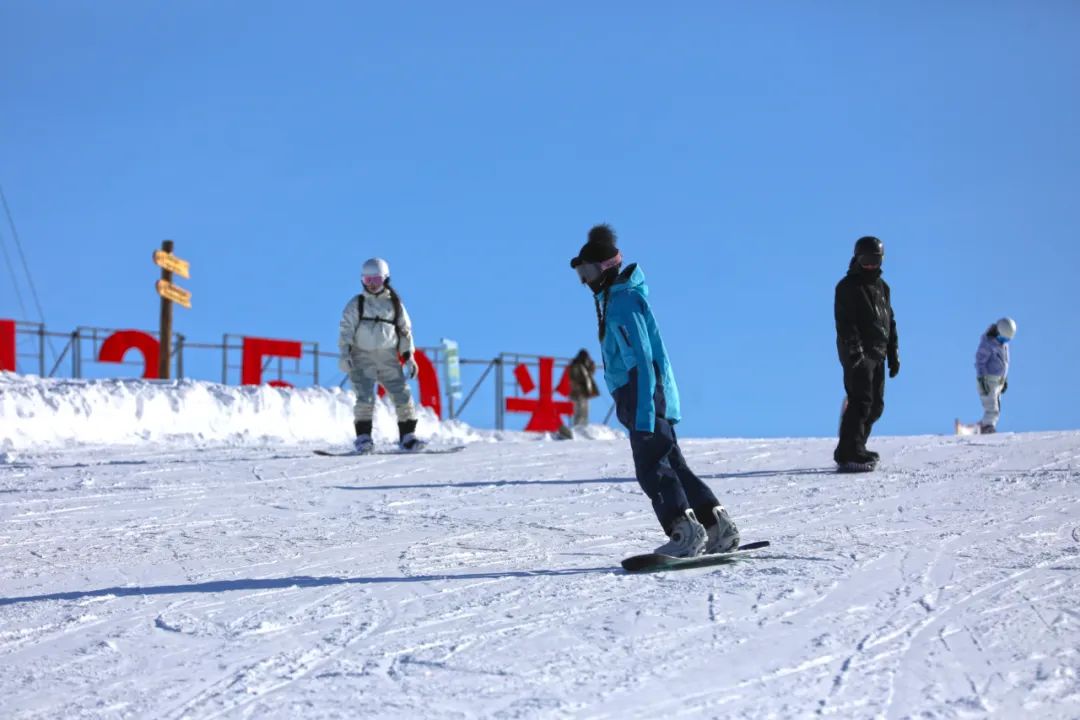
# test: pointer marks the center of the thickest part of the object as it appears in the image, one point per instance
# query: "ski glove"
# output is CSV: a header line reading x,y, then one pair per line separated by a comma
x,y
984,385
345,361
1004,385
894,366
410,366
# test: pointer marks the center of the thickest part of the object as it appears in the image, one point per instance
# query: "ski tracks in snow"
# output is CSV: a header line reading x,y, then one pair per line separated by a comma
x,y
241,583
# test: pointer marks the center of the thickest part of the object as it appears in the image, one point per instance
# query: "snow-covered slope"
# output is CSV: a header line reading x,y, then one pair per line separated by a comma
x,y
166,580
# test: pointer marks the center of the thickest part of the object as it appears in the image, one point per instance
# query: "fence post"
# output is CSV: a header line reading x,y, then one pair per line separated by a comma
x,y
499,392
316,364
225,359
179,356
76,355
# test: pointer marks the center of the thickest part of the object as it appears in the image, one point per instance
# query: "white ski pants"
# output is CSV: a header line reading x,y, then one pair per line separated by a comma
x,y
382,367
990,394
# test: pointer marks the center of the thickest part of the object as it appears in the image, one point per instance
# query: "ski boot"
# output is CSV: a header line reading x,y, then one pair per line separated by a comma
x,y
687,538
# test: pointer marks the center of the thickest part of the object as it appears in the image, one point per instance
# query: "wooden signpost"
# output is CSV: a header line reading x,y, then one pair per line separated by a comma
x,y
169,293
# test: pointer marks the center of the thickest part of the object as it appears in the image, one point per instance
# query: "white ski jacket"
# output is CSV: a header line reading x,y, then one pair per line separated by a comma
x,y
376,330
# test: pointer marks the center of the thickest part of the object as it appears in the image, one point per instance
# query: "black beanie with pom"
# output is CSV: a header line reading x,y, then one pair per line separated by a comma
x,y
600,246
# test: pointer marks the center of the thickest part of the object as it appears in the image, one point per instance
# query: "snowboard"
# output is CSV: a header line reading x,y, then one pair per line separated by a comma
x,y
854,467
655,561
966,428
392,451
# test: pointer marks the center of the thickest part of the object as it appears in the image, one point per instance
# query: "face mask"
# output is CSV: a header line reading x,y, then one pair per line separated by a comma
x,y
1002,339
870,262
590,271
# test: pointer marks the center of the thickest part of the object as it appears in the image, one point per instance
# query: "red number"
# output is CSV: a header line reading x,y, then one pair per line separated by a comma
x,y
116,346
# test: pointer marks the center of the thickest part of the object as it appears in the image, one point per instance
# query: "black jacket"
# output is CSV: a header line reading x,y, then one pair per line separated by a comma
x,y
865,324
582,384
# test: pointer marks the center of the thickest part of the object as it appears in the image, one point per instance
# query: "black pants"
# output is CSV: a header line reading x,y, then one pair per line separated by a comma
x,y
659,464
865,386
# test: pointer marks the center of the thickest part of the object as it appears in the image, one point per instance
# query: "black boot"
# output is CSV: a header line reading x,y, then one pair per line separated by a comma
x,y
407,434
363,442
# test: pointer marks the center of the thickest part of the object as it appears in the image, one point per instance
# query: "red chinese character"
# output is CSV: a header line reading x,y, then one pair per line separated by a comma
x,y
545,409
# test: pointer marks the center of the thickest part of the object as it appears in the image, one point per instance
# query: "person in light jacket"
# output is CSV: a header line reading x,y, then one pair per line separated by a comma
x,y
992,370
375,331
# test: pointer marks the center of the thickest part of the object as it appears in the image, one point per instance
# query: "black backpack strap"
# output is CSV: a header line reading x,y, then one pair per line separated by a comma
x,y
397,310
397,307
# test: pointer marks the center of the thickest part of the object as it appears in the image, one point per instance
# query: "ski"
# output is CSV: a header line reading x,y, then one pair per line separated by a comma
x,y
392,451
655,561
967,428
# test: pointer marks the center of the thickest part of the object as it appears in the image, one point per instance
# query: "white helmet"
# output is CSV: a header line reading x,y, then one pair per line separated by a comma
x,y
1006,328
376,266
375,275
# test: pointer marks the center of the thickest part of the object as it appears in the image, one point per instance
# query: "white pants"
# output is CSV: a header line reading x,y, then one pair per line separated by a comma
x,y
382,367
990,394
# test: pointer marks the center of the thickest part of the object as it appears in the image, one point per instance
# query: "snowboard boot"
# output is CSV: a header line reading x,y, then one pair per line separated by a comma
x,y
987,429
363,442
722,535
687,538
874,457
407,433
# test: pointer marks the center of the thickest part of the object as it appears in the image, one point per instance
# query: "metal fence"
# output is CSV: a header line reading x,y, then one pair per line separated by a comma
x,y
36,353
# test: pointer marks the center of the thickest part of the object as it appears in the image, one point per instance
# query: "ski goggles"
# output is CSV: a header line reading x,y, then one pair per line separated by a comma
x,y
1003,340
590,271
374,281
870,260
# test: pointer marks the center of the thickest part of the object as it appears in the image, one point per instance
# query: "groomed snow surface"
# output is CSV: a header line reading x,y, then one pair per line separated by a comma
x,y
175,550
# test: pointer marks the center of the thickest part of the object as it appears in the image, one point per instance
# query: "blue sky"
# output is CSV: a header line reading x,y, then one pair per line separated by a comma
x,y
738,149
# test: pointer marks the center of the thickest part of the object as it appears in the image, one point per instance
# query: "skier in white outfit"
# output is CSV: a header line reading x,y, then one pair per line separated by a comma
x,y
375,330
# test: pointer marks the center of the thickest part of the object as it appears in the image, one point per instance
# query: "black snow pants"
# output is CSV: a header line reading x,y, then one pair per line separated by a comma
x,y
865,386
659,464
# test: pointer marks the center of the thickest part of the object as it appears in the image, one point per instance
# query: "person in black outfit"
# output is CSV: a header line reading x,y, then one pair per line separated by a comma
x,y
865,340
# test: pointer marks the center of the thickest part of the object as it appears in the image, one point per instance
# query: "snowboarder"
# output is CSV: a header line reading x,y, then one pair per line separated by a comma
x,y
865,339
375,330
641,381
992,370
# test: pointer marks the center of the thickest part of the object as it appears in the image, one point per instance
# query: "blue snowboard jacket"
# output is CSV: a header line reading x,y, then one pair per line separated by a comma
x,y
636,366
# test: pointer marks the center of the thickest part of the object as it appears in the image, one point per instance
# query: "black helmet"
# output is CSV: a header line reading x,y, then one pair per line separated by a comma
x,y
869,251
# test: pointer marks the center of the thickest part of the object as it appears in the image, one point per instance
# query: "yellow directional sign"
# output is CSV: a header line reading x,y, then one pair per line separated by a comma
x,y
172,263
177,294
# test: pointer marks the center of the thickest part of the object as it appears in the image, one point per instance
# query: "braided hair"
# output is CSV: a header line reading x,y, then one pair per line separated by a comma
x,y
601,312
